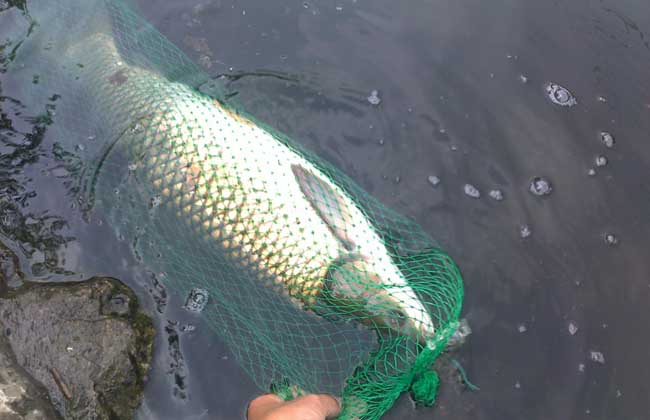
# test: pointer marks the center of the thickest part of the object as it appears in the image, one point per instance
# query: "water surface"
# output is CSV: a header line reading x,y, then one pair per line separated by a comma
x,y
461,85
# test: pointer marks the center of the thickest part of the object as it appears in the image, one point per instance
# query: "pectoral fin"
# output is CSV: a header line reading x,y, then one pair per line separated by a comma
x,y
329,204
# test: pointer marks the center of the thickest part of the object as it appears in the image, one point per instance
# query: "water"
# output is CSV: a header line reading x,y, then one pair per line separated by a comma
x,y
458,66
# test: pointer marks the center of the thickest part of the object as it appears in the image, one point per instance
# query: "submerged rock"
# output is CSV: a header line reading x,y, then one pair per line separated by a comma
x,y
87,343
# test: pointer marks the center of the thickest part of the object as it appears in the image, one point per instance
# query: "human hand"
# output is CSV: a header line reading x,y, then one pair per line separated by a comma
x,y
307,407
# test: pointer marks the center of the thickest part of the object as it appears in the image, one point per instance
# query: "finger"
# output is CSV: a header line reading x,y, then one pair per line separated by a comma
x,y
260,406
326,405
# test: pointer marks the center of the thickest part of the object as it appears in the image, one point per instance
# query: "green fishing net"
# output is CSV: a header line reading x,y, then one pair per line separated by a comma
x,y
315,286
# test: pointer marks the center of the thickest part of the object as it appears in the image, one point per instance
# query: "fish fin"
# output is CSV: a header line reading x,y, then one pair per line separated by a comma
x,y
330,205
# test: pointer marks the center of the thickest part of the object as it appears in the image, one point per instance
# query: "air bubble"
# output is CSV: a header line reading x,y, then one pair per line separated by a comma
x,y
540,186
573,328
601,161
471,191
496,195
374,98
197,300
560,95
611,239
433,180
607,139
155,201
597,357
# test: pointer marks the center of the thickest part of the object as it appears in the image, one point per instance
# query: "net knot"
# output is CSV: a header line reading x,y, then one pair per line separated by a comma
x,y
425,388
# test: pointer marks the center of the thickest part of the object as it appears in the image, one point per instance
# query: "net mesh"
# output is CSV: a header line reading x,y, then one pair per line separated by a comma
x,y
315,286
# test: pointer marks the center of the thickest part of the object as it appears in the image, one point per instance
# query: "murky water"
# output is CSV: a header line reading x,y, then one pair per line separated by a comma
x,y
461,95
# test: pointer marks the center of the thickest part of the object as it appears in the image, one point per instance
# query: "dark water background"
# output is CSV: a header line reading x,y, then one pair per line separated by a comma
x,y
454,105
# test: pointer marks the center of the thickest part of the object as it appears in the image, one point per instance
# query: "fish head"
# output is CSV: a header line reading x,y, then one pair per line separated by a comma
x,y
364,283
356,289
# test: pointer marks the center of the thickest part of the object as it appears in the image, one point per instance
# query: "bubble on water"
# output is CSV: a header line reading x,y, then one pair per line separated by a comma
x,y
540,186
374,98
524,231
433,180
471,191
560,95
597,357
197,300
607,139
496,195
187,328
155,201
591,172
600,161
611,239
573,328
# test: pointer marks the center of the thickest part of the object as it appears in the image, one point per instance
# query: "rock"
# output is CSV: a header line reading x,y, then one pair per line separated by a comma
x,y
21,397
87,343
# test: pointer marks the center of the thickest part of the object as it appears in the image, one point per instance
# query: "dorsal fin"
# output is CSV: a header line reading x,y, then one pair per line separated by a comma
x,y
330,205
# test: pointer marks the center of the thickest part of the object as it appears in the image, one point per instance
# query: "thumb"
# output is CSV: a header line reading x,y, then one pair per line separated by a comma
x,y
325,405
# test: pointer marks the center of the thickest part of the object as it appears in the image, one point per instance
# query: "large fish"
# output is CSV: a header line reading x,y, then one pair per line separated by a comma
x,y
246,191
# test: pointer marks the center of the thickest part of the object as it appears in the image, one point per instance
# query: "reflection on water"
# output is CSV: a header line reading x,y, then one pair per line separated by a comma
x,y
462,100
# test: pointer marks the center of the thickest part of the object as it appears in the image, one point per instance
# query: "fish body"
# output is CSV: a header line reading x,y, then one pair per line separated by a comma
x,y
239,187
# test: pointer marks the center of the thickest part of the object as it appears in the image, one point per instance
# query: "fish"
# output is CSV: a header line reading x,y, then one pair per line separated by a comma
x,y
238,186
